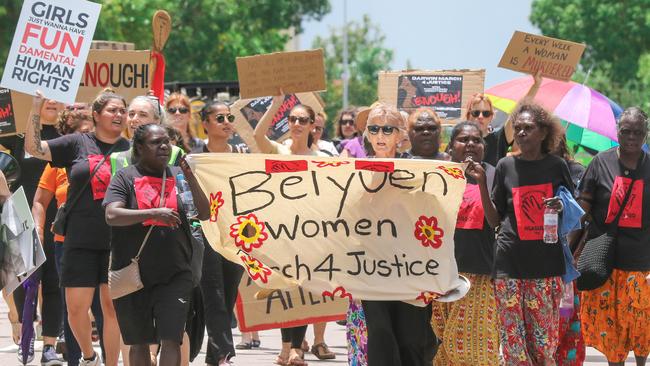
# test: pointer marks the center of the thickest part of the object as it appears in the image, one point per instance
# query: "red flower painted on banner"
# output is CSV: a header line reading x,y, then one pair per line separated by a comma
x,y
323,164
428,232
428,296
339,292
456,173
215,204
248,232
256,270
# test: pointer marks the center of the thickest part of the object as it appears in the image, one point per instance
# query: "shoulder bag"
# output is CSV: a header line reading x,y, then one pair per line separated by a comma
x,y
61,218
596,259
127,280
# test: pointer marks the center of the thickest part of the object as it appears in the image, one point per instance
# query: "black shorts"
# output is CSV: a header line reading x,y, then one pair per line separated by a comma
x,y
155,313
82,267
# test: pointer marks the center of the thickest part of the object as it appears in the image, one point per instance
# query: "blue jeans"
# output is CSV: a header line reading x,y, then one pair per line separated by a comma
x,y
73,350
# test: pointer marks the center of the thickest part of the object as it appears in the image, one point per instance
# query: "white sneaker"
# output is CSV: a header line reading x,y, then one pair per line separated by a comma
x,y
96,362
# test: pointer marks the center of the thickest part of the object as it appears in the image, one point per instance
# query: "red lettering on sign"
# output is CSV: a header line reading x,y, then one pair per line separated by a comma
x,y
439,98
528,202
285,166
470,214
375,166
632,214
61,40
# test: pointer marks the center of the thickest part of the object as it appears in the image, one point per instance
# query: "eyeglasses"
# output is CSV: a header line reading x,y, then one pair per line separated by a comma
x,y
302,120
386,130
221,118
181,110
349,122
486,114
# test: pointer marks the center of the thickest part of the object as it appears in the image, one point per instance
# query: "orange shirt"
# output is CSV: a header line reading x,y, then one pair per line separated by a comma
x,y
55,180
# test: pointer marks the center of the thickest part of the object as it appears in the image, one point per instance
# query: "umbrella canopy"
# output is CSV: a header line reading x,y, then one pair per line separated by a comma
x,y
588,116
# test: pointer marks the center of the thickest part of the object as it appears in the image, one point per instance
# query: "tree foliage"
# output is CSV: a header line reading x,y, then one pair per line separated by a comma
x,y
617,34
206,37
367,56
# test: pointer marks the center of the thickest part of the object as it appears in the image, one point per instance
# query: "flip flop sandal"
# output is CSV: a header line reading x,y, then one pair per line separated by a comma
x,y
297,360
256,343
322,352
281,361
244,345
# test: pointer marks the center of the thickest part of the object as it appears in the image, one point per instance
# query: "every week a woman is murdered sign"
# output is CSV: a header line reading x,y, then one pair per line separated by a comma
x,y
367,229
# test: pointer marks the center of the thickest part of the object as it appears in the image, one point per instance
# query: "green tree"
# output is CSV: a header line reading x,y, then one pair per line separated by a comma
x,y
617,34
367,56
206,37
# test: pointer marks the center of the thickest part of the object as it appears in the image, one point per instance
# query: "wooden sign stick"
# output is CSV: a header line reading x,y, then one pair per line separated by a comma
x,y
161,25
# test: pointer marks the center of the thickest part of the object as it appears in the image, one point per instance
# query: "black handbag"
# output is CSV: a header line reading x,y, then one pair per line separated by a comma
x,y
61,218
596,260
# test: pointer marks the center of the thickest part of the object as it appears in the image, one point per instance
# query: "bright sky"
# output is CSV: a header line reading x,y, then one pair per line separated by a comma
x,y
436,35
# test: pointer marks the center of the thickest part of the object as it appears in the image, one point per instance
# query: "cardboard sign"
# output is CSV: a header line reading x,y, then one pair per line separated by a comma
x,y
376,229
528,53
20,105
7,113
50,46
249,111
126,72
291,72
284,308
447,92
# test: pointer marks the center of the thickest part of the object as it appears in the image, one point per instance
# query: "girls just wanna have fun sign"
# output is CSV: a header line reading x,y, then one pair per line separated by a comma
x,y
343,228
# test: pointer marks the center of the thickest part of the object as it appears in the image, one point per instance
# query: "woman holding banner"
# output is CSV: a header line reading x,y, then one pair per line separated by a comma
x,y
398,333
469,327
301,119
86,246
528,285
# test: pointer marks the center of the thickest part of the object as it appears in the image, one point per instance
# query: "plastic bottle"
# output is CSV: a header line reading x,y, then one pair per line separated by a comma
x,y
550,225
186,196
566,304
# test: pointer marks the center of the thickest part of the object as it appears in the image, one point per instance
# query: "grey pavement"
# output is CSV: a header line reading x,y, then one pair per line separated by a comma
x,y
265,355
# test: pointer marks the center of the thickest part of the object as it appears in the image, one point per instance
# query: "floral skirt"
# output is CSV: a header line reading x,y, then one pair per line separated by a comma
x,y
469,327
616,316
357,335
571,349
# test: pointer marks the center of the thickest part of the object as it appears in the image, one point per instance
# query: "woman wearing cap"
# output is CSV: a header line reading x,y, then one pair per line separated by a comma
x,y
301,119
179,114
528,285
398,333
469,327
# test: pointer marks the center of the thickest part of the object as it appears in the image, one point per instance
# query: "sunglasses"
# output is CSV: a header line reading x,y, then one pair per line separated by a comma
x,y
486,114
221,118
302,120
181,110
349,122
386,130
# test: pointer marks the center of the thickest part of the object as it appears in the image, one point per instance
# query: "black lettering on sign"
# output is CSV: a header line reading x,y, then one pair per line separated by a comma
x,y
261,195
330,269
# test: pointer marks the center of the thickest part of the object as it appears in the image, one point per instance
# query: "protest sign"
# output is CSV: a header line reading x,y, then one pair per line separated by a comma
x,y
284,308
249,111
22,250
7,115
291,72
126,72
16,116
112,45
378,229
556,58
447,92
50,46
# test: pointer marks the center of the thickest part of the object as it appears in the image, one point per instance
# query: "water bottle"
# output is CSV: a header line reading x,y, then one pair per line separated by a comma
x,y
186,196
550,225
566,304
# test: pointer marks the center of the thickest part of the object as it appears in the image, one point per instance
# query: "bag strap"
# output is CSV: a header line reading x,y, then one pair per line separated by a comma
x,y
92,174
160,204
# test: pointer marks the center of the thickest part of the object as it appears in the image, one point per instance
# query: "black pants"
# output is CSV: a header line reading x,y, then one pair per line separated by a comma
x,y
294,335
219,284
399,334
51,312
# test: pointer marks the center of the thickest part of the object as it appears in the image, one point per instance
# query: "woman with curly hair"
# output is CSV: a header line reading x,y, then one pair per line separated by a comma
x,y
528,270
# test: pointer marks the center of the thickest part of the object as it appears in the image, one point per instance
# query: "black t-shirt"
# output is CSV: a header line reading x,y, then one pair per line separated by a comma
x,y
519,187
496,146
167,251
79,154
474,238
605,175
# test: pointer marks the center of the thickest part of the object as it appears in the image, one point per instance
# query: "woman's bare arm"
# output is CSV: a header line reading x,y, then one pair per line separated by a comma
x,y
263,142
33,144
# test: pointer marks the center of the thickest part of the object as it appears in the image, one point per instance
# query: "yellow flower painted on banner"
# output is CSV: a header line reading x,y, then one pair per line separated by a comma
x,y
456,173
248,232
256,270
215,204
428,296
428,232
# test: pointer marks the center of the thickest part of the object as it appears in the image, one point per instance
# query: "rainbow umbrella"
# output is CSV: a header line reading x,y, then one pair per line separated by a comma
x,y
588,116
